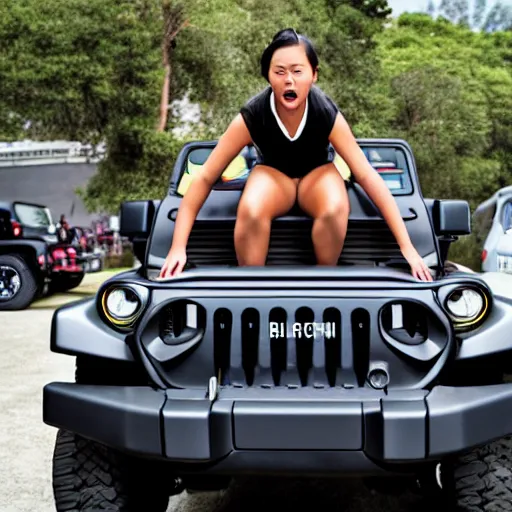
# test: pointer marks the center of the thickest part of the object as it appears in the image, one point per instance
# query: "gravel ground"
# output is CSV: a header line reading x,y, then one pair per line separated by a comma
x,y
26,443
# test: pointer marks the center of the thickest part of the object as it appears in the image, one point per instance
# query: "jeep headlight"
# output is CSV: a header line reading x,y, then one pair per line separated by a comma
x,y
466,306
122,304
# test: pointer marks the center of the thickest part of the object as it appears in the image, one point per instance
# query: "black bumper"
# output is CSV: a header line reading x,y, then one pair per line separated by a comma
x,y
283,430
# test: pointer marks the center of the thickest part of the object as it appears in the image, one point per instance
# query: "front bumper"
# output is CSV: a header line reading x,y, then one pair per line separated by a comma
x,y
306,430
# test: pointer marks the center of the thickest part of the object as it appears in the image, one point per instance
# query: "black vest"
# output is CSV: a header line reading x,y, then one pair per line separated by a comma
x,y
294,158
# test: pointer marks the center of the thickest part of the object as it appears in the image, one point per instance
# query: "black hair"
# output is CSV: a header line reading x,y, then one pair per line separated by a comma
x,y
287,37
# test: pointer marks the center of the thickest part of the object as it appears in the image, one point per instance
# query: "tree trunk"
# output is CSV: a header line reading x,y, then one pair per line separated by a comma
x,y
164,102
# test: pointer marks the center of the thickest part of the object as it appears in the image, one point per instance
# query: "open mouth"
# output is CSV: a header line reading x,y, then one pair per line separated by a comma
x,y
290,95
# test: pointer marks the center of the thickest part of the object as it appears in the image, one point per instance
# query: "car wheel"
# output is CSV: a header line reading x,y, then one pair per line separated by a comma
x,y
481,479
18,285
89,476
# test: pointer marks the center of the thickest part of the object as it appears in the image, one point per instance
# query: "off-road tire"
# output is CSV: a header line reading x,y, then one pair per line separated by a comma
x,y
88,476
29,288
482,478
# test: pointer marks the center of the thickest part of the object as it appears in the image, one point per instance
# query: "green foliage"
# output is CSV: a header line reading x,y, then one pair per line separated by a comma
x,y
451,90
466,251
138,167
62,64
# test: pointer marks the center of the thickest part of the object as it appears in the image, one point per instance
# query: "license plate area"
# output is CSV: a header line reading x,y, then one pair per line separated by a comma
x,y
298,426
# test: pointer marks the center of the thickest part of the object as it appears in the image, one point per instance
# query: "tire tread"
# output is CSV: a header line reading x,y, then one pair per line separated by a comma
x,y
483,478
88,476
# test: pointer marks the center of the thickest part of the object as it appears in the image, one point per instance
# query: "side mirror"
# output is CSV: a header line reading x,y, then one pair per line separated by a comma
x,y
136,218
452,217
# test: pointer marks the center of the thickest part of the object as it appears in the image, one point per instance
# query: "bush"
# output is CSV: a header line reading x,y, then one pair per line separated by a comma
x,y
466,251
138,166
124,260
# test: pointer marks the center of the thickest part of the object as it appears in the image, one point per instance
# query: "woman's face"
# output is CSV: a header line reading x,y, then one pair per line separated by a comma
x,y
291,76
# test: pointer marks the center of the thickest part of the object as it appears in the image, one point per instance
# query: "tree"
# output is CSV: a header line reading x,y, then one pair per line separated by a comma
x,y
452,100
479,11
372,8
498,18
431,8
174,22
455,10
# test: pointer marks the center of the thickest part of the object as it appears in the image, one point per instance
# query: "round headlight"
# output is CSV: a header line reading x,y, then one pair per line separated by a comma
x,y
122,303
466,305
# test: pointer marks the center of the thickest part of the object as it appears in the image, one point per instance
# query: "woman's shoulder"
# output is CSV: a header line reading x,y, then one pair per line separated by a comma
x,y
324,108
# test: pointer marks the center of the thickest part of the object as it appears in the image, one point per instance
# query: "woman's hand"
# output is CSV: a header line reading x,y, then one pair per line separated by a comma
x,y
174,263
418,267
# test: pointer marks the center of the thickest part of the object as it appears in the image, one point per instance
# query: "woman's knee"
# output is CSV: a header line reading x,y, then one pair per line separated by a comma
x,y
334,209
267,195
251,212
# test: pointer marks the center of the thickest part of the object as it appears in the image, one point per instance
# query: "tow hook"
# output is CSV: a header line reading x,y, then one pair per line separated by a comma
x,y
438,476
430,483
213,388
177,486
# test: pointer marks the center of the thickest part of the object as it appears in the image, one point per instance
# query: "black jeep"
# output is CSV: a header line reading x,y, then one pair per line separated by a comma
x,y
359,369
32,260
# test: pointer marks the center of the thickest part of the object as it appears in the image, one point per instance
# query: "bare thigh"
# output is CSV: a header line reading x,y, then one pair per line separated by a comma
x,y
268,193
323,192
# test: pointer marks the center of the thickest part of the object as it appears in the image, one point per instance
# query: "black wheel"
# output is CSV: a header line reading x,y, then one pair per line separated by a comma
x,y
481,480
88,476
18,285
63,283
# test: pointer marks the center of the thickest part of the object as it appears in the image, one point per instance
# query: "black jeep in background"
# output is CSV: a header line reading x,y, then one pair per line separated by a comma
x,y
354,370
32,260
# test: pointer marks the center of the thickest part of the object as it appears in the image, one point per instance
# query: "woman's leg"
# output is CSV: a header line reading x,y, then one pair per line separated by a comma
x,y
268,193
322,194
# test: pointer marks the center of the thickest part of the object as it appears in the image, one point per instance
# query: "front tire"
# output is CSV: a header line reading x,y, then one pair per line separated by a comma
x,y
482,478
88,476
18,286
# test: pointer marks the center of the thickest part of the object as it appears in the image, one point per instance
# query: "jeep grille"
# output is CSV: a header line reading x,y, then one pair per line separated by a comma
x,y
211,243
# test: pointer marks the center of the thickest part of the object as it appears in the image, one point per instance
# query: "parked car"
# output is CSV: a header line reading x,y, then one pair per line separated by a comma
x,y
32,260
286,369
493,229
87,248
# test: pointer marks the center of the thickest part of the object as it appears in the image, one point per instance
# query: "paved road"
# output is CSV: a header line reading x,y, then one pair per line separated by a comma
x,y
26,444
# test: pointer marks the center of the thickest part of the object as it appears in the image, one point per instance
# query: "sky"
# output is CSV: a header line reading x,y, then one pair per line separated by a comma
x,y
399,6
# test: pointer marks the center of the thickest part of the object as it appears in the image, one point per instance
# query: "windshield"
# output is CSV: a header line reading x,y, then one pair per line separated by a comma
x,y
389,161
391,164
33,216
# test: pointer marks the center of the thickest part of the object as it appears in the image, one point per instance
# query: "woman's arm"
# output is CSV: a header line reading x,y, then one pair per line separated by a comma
x,y
346,146
228,147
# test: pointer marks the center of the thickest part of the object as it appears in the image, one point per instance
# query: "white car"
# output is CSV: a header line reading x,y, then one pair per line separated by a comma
x,y
493,227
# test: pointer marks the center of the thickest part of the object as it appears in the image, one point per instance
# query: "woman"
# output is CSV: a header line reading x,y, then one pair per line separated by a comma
x,y
291,123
